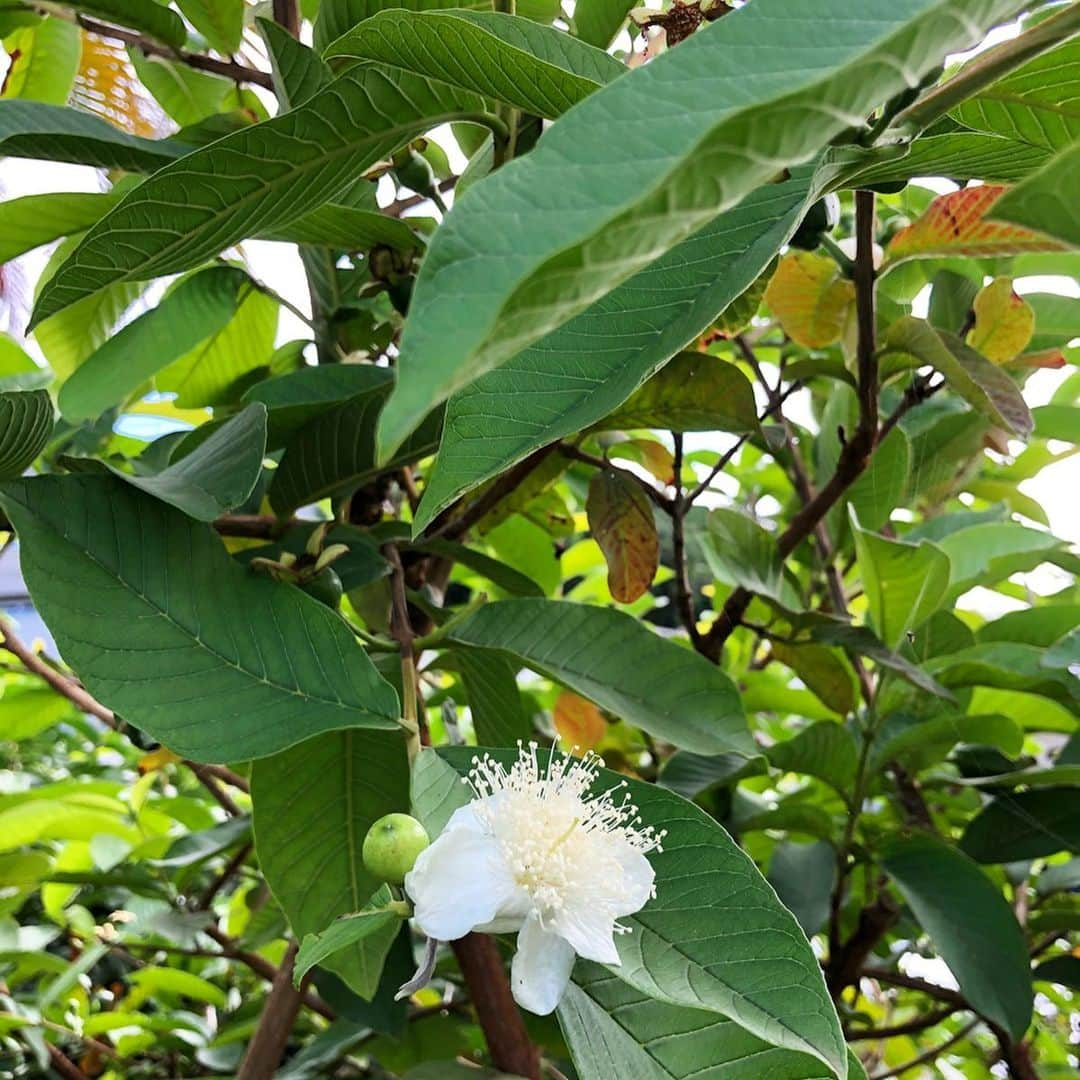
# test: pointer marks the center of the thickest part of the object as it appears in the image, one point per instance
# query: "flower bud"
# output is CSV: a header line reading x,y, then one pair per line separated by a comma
x,y
392,846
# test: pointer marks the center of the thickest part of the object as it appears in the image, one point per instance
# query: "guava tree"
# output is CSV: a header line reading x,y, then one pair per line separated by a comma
x,y
593,615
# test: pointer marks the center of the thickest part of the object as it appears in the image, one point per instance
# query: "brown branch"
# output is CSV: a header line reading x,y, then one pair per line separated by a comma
x,y
64,1065
910,1027
252,526
229,69
912,982
846,962
227,776
511,1049
231,867
684,595
268,1044
856,451
287,15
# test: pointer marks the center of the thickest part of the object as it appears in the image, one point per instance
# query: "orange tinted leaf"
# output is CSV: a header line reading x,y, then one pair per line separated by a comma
x,y
1044,358
621,519
1004,322
811,298
579,722
955,224
157,759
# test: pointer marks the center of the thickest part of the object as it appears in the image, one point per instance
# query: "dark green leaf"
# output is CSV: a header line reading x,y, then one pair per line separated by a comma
x,y
709,133
490,682
803,876
825,750
537,69
436,791
972,927
255,180
314,805
151,18
614,661
598,21
690,774
1027,825
1063,970
195,847
826,672
299,72
26,421
163,626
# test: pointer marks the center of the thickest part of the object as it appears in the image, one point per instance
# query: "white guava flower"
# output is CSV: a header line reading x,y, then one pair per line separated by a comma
x,y
535,853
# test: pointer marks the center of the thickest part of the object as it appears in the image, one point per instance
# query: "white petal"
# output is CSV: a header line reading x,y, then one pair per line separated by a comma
x,y
460,882
541,968
636,888
588,931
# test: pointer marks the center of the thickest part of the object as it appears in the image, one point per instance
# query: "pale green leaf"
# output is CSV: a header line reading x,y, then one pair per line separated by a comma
x,y
1044,200
613,660
643,163
185,93
44,60
221,22
164,627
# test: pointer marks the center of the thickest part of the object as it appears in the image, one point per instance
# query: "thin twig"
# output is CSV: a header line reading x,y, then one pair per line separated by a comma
x,y
913,982
930,1055
910,1027
684,595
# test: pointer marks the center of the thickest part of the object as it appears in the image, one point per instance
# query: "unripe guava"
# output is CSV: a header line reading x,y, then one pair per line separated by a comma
x,y
392,846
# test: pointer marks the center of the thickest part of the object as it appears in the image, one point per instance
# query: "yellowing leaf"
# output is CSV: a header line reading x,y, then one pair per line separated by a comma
x,y
157,759
811,298
655,456
955,224
579,722
1004,322
621,520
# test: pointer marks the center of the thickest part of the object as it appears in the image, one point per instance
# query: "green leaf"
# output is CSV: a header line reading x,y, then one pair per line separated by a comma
x,y
511,581
931,740
1026,825
905,583
598,21
972,927
338,16
985,554
299,72
1040,201
826,672
1036,104
197,309
218,475
165,628
335,452
804,876
614,1030
744,553
196,847
537,69
27,711
51,133
979,382
614,661
34,220
1041,626
690,774
346,932
186,94
689,946
692,392
1057,422
254,180
26,422
884,483
825,750
44,60
709,133
345,228
1009,666
436,790
577,375
216,370
1063,970
495,704
221,22
313,806
151,18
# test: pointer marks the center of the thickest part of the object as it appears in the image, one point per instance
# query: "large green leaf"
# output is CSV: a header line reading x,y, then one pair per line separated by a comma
x,y
335,452
535,68
985,554
574,377
197,309
495,705
345,228
338,16
219,474
166,629
598,21
1042,200
221,22
26,421
1036,104
905,583
613,660
150,17
313,806
972,927
186,94
255,180
43,61
984,385
645,162
1025,825
825,750
52,133
715,937
614,1030
34,220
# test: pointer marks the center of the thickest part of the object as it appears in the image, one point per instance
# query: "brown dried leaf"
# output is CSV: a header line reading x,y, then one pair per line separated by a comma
x,y
621,519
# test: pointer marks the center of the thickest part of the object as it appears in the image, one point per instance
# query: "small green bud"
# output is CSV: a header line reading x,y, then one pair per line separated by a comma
x,y
392,846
